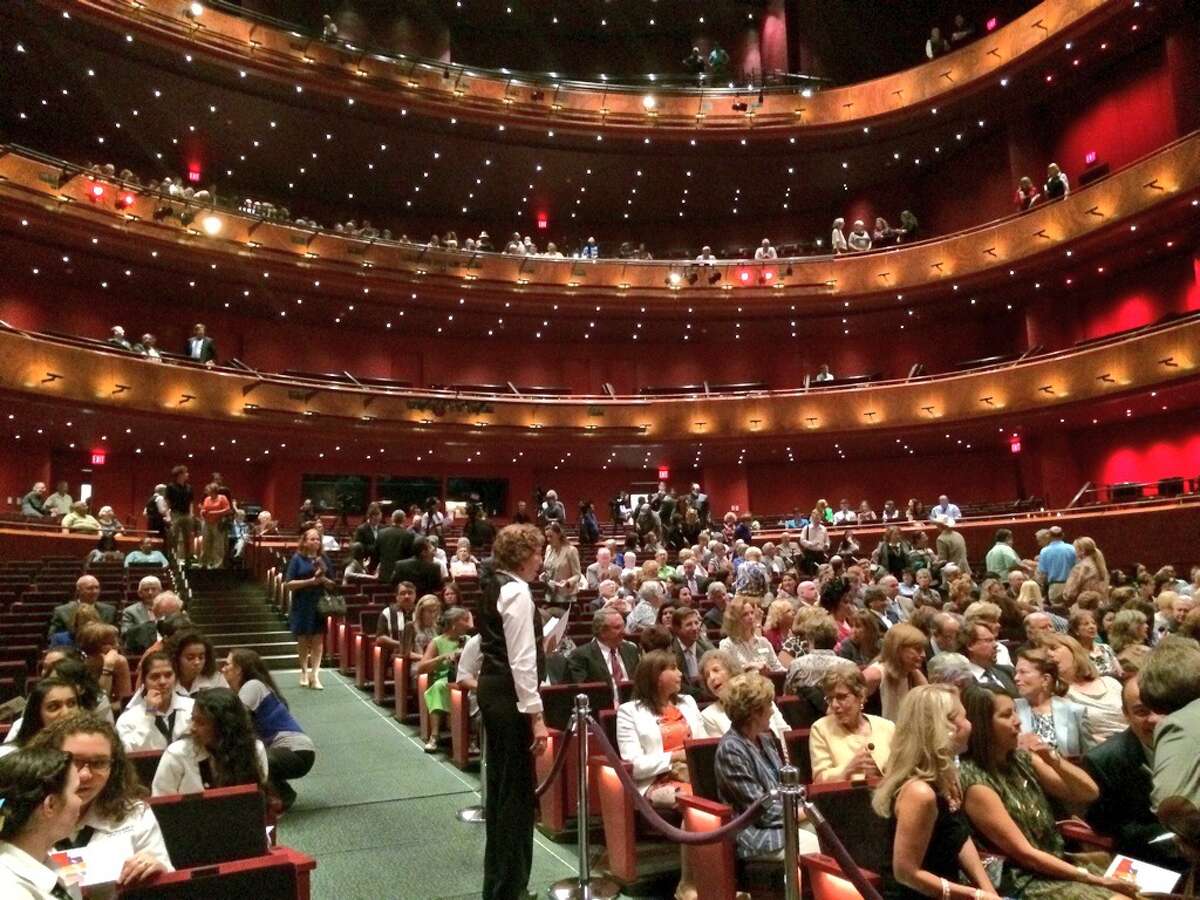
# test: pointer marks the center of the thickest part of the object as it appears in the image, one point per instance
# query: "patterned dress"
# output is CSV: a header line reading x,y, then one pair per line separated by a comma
x,y
1027,804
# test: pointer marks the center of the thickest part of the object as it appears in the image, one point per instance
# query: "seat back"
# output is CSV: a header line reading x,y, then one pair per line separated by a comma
x,y
847,807
798,753
263,878
701,760
558,700
213,826
145,763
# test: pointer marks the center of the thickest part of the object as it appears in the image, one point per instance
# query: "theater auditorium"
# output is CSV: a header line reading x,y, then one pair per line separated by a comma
x,y
656,449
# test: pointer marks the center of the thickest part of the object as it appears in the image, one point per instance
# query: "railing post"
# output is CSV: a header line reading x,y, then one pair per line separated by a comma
x,y
790,790
584,886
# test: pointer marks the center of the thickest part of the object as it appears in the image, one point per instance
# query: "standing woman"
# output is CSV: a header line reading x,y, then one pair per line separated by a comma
x,y
214,510
305,582
38,788
922,799
513,666
1089,573
561,566
290,752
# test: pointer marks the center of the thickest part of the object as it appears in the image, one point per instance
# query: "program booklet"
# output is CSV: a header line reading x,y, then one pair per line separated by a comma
x,y
1149,879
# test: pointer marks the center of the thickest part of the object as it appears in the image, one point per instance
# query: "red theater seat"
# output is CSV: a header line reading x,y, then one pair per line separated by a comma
x,y
213,826
283,874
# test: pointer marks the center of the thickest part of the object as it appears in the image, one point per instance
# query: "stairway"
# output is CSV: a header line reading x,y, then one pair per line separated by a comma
x,y
230,608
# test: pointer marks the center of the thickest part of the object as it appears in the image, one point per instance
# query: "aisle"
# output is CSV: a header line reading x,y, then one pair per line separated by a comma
x,y
379,814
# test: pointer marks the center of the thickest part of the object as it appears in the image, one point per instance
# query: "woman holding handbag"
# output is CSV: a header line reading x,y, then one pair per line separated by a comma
x,y
305,582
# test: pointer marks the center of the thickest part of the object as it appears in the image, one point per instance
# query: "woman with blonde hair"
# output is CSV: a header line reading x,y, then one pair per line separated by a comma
x,y
780,615
847,742
898,668
1099,695
921,796
751,651
1089,573
1129,627
420,632
1029,598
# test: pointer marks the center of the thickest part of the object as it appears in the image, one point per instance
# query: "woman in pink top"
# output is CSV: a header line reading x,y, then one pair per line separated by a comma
x,y
215,510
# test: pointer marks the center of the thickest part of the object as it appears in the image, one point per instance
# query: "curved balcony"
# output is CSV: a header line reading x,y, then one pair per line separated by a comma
x,y
79,372
60,201
229,36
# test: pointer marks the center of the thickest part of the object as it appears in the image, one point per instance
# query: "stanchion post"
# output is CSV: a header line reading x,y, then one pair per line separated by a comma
x,y
790,791
477,814
584,886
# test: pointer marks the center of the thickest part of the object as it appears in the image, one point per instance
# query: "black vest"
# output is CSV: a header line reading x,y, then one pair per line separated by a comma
x,y
491,626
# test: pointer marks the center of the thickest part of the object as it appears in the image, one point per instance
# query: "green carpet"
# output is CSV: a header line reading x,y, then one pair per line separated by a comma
x,y
378,814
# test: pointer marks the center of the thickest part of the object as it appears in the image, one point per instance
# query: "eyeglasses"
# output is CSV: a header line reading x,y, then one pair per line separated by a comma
x,y
96,764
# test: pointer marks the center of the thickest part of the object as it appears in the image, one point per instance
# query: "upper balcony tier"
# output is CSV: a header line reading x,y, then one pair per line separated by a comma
x,y
66,370
41,196
1052,33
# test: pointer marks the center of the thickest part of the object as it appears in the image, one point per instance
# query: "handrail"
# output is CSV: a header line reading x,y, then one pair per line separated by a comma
x,y
438,87
512,396
1079,493
1149,184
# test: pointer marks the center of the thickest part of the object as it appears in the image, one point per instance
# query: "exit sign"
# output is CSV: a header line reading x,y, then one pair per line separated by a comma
x,y
99,457
663,473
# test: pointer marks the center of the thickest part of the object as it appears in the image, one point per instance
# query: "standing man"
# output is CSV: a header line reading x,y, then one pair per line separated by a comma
x,y
1055,563
200,347
393,544
513,666
367,533
33,504
180,500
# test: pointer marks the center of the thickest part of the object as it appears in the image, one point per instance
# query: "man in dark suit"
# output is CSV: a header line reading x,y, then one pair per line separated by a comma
x,y
420,569
688,574
367,533
978,644
200,347
87,591
689,645
393,544
607,656
1121,769
603,569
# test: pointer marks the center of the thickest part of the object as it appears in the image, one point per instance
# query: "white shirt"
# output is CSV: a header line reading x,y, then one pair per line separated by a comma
x,y
765,253
179,769
22,877
515,605
202,683
837,241
843,516
470,662
138,731
125,838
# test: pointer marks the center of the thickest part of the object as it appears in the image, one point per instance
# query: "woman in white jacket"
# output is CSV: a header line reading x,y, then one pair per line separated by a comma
x,y
221,750
652,727
158,713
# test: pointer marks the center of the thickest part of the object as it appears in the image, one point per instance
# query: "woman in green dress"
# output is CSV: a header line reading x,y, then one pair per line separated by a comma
x,y
1007,795
438,661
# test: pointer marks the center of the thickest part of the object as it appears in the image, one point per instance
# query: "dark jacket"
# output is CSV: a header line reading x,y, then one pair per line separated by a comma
x,y
208,350
63,617
589,663
367,536
694,688
1121,770
425,576
393,544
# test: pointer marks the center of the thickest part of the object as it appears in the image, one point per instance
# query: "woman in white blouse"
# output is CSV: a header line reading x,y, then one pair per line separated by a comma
x,y
38,788
748,650
221,751
463,565
716,669
157,714
195,662
1099,694
114,818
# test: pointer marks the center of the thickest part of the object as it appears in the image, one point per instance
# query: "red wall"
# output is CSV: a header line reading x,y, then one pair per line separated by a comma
x,y
1156,448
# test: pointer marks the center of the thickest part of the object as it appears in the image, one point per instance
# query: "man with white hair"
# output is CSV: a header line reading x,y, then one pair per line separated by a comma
x,y
807,593
950,544
946,626
117,338
603,569
650,597
138,620
87,593
552,509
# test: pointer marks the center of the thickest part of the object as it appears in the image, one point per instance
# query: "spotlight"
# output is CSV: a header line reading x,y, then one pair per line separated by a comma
x,y
95,192
673,279
194,10
212,225
125,200
537,94
744,276
648,103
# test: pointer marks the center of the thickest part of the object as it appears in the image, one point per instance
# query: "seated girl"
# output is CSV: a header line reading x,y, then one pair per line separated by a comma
x,y
40,802
438,661
157,715
50,699
221,750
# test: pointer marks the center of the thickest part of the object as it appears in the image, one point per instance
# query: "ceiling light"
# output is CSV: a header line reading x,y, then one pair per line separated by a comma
x,y
212,225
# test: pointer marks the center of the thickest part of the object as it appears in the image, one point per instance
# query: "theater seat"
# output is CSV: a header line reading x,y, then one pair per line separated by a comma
x,y
145,763
826,880
381,673
283,874
212,826
460,726
847,807
629,860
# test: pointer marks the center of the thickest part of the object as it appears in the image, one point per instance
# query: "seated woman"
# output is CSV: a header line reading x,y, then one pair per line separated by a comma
x,y
99,643
864,642
39,792
463,564
157,715
221,751
1084,627
747,766
716,669
1099,694
1045,715
50,699
778,627
195,662
652,727
846,743
84,616
898,668
115,818
439,660
1007,795
356,570
749,650
420,632
922,799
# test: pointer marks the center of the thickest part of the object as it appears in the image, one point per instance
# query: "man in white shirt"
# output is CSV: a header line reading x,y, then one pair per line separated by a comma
x,y
706,257
59,503
837,240
844,515
603,569
608,656
823,374
765,250
859,238
944,509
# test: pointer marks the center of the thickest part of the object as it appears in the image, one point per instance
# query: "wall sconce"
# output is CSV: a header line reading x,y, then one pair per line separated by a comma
x,y
184,399
1169,362
928,409
119,389
987,401
1047,389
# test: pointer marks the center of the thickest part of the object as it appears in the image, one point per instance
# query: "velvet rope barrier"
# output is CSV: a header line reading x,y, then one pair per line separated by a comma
x,y
559,761
655,821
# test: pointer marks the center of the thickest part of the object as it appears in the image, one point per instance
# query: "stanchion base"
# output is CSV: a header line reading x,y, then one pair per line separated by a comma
x,y
571,889
472,814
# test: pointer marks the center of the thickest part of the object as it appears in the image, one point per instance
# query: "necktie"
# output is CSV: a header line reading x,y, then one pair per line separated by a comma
x,y
689,658
615,664
82,839
60,892
395,623
166,725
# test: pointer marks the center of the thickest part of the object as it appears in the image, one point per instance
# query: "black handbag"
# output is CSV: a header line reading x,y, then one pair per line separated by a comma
x,y
331,605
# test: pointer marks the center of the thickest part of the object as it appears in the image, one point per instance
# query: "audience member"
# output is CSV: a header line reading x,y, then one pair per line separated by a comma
x,y
79,520
221,750
200,347
935,44
438,662
859,239
1099,694
1170,687
607,657
420,568
59,503
195,662
846,743
750,650
1057,186
146,555
33,504
39,794
157,714
690,647
977,642
180,501
560,563
1045,716
1027,195
49,700
898,668
837,240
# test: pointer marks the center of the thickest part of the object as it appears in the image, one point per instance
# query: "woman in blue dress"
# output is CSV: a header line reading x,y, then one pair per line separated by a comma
x,y
306,580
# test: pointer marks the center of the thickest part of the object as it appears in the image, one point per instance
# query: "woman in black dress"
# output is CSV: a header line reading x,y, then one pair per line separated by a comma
x,y
921,796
